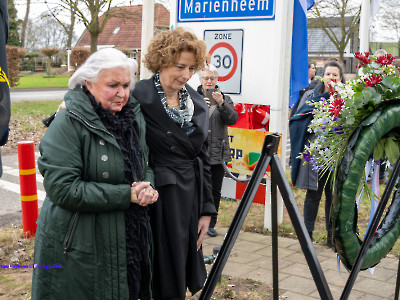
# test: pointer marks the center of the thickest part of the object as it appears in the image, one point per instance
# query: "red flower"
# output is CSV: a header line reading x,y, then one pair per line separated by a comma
x,y
336,107
363,57
330,87
373,80
386,59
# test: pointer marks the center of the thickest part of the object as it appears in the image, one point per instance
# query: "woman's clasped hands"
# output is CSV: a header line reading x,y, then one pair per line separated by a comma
x,y
142,193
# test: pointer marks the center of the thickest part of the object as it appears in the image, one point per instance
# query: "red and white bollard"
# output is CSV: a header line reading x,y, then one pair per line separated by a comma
x,y
27,180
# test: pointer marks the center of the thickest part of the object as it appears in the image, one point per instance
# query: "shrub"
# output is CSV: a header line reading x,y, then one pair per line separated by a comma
x,y
78,57
49,52
13,60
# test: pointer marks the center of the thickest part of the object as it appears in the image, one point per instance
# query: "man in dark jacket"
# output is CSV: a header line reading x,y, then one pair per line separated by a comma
x,y
4,88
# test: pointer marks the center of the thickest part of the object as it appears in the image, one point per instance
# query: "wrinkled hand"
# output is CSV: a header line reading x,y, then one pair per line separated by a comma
x,y
142,193
218,98
202,228
61,106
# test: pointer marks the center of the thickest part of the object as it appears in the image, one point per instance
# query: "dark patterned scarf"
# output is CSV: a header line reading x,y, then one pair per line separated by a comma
x,y
124,128
181,116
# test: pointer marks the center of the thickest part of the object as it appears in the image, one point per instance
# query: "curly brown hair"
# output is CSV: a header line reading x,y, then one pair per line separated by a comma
x,y
164,49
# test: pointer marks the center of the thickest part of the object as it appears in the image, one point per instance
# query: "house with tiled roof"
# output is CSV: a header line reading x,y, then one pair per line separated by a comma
x,y
124,28
321,48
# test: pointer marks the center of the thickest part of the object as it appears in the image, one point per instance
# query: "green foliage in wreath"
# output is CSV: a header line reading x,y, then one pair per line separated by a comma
x,y
360,119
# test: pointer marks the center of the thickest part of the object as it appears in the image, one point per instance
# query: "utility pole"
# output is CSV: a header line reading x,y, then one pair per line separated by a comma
x,y
147,34
365,18
172,14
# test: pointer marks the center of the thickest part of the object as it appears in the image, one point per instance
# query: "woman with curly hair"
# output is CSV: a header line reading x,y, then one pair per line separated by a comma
x,y
177,127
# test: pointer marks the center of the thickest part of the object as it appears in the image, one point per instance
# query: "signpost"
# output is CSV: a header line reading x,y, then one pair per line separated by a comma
x,y
224,10
225,48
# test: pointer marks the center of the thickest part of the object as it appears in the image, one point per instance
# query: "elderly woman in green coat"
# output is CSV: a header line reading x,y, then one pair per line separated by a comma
x,y
93,238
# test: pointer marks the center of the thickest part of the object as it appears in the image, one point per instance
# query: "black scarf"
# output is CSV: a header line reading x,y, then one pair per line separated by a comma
x,y
124,128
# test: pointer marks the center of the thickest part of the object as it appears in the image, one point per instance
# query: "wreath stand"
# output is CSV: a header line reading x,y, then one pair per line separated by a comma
x,y
278,179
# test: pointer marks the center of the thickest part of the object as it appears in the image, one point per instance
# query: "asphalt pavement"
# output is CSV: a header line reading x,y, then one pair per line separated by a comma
x,y
17,95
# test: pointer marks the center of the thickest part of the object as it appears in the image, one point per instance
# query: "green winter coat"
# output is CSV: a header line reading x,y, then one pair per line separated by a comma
x,y
80,236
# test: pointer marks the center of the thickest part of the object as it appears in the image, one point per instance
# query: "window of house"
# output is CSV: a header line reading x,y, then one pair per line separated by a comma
x,y
116,30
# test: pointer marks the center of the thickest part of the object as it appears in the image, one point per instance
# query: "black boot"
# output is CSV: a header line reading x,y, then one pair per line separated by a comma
x,y
310,234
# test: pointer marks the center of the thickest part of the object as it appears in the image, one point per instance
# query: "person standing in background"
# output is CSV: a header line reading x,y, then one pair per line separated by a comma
x,y
306,176
222,114
4,85
312,84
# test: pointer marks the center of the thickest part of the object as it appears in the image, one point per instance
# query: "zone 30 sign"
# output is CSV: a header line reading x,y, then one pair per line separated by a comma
x,y
225,10
225,48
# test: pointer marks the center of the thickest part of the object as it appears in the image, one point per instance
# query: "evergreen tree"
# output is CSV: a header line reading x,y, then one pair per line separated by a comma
x,y
13,36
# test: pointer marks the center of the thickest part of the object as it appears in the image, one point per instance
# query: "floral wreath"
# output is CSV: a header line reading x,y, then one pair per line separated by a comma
x,y
361,118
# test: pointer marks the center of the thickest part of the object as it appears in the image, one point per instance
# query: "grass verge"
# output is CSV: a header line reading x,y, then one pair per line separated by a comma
x,y
42,82
26,122
15,250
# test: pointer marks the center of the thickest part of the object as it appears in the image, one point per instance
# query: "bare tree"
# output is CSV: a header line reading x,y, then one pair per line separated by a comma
x,y
390,21
88,12
57,12
25,22
51,34
338,19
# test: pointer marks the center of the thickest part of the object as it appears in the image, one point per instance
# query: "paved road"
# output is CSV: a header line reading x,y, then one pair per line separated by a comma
x,y
17,95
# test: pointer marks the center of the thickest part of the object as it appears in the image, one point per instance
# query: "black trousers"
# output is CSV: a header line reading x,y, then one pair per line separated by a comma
x,y
311,204
217,176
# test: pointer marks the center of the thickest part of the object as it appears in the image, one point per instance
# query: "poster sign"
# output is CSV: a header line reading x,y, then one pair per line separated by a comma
x,y
225,48
225,10
246,146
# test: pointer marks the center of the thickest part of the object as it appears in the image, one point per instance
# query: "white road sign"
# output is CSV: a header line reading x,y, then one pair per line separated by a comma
x,y
225,48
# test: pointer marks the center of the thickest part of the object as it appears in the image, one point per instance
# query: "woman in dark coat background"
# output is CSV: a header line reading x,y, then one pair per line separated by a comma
x,y
304,176
177,126
222,114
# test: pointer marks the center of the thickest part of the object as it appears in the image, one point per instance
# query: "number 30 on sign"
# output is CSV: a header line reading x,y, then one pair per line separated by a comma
x,y
225,48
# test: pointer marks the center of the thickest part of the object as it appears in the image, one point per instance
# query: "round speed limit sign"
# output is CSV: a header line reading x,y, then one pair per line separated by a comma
x,y
225,50
227,61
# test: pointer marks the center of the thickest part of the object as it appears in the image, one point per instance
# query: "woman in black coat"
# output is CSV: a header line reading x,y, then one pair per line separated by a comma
x,y
177,125
304,176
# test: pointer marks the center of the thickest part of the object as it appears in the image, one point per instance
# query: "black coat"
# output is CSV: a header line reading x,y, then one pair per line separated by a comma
x,y
303,175
182,177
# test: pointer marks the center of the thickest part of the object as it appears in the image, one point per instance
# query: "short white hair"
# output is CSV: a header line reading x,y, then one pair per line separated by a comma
x,y
380,52
210,68
133,65
107,58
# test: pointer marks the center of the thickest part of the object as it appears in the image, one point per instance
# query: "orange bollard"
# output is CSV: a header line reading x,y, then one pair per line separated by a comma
x,y
27,180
